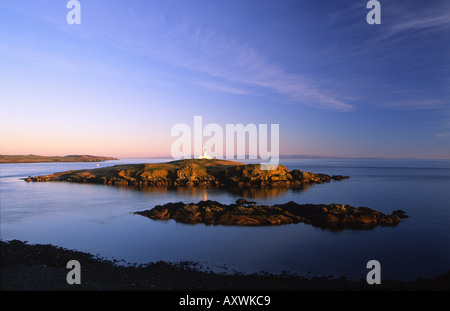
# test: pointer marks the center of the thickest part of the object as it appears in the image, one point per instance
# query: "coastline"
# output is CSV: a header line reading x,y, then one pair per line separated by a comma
x,y
26,267
31,158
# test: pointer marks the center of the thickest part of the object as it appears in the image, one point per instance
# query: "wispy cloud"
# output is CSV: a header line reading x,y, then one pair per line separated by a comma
x,y
242,64
428,23
220,87
237,66
416,104
414,17
443,135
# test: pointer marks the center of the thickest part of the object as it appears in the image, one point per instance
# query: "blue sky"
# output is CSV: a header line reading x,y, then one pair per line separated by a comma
x,y
117,83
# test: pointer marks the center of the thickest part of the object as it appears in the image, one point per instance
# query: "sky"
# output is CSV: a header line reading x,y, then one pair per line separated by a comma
x,y
116,84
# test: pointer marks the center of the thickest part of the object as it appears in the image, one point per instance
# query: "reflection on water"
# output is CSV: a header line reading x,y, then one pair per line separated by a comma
x,y
264,193
244,192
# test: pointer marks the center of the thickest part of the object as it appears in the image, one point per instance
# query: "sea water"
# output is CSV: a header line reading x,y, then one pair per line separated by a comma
x,y
100,220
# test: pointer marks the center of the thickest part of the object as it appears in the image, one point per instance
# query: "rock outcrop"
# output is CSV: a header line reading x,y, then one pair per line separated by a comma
x,y
191,172
244,213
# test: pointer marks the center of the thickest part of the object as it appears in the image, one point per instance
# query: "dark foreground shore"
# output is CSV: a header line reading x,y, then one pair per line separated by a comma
x,y
26,267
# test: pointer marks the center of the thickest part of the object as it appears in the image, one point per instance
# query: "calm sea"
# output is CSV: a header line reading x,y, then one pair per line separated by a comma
x,y
99,219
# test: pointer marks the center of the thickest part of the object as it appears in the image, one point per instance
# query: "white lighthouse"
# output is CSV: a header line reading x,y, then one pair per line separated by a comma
x,y
205,155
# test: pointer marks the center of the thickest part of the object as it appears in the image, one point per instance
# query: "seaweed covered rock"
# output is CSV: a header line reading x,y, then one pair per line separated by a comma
x,y
244,213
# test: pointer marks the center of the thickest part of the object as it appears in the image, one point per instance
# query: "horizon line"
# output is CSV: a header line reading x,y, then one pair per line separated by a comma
x,y
297,156
246,157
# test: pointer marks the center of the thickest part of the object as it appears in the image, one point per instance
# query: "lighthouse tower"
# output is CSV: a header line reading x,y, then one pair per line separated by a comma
x,y
205,155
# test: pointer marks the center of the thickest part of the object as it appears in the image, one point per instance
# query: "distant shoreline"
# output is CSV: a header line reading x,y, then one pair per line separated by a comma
x,y
301,157
31,158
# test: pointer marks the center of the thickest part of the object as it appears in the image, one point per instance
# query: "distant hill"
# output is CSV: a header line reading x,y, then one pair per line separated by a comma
x,y
31,158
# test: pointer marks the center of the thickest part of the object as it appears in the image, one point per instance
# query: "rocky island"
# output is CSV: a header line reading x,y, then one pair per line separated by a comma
x,y
190,172
245,213
31,158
